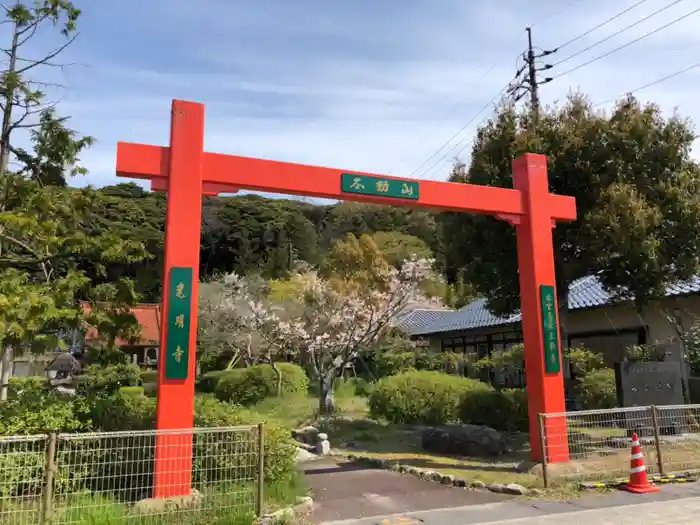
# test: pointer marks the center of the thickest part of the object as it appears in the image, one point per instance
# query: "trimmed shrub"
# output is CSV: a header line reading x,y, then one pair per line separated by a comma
x,y
33,408
132,391
280,452
124,463
363,387
420,397
106,380
18,385
149,376
207,382
150,389
247,386
504,410
123,411
597,390
127,464
354,386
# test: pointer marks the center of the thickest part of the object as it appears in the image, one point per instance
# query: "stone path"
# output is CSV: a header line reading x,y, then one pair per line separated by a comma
x,y
345,491
677,504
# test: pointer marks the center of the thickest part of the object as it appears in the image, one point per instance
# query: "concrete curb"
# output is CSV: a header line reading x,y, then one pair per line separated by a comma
x,y
435,477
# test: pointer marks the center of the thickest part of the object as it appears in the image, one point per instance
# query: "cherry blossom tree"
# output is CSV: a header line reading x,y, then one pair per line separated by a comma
x,y
229,330
338,319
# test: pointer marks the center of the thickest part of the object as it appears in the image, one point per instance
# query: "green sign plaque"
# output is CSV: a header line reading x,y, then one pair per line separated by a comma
x,y
552,360
369,185
177,346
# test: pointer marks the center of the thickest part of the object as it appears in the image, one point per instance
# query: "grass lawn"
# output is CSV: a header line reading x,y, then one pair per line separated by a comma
x,y
351,432
219,505
591,459
402,443
295,411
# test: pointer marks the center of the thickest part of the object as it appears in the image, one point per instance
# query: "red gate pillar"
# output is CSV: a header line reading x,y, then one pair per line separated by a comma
x,y
543,363
178,331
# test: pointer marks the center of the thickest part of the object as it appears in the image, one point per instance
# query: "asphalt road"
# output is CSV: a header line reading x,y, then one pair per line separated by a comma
x,y
345,491
677,504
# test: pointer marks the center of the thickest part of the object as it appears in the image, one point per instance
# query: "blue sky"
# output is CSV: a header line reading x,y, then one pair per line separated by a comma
x,y
364,84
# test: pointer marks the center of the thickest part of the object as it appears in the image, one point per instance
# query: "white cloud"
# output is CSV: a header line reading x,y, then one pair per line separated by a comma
x,y
366,86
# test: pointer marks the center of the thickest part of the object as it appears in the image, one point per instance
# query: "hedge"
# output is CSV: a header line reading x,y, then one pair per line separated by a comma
x,y
124,464
597,390
105,380
149,376
504,410
208,381
423,397
247,386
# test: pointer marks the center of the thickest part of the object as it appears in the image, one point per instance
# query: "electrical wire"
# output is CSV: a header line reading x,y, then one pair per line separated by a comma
x,y
556,13
447,142
581,51
650,84
456,134
439,161
672,22
606,22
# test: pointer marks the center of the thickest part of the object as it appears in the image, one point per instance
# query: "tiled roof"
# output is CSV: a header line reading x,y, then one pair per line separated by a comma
x,y
416,320
147,315
587,292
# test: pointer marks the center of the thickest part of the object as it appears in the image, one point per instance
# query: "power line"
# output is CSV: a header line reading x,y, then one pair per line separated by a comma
x,y
605,22
556,13
658,11
427,171
503,90
446,143
650,84
672,22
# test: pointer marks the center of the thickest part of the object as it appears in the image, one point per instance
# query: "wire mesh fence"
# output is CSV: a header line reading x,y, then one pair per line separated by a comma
x,y
595,444
184,477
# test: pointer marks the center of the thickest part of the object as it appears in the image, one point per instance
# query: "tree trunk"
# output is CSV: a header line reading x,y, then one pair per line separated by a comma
x,y
326,405
6,372
278,378
7,113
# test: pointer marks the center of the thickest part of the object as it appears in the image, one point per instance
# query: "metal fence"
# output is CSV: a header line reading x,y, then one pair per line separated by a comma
x,y
595,444
109,477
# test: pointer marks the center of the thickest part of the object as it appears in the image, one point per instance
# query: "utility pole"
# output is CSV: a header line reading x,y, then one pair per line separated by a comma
x,y
532,75
525,80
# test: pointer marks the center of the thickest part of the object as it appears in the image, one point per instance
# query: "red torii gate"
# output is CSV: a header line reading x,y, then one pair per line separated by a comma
x,y
186,171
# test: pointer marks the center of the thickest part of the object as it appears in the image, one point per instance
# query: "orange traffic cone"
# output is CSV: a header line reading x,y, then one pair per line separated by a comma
x,y
639,482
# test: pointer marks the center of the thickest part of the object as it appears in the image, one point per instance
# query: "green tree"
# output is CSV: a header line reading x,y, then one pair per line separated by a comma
x,y
397,247
637,192
45,248
137,215
42,269
23,100
336,221
356,261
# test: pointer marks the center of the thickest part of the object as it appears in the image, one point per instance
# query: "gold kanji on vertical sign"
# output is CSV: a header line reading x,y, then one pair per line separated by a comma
x,y
178,329
552,360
